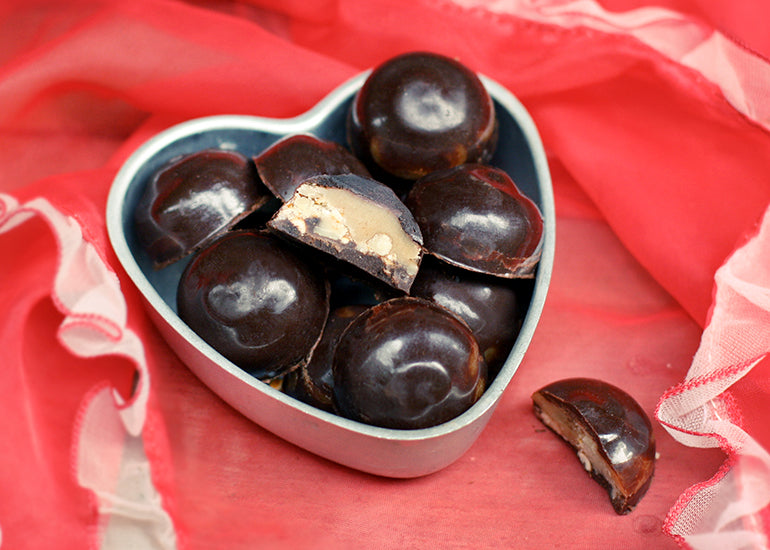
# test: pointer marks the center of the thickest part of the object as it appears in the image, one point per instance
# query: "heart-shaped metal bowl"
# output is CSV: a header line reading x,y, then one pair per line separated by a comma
x,y
386,452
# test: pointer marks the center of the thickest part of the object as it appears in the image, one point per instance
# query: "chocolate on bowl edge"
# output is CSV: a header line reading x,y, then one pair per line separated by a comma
x,y
420,112
407,363
194,198
475,217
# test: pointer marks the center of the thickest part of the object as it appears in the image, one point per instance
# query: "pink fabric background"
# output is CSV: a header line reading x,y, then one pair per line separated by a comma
x,y
657,179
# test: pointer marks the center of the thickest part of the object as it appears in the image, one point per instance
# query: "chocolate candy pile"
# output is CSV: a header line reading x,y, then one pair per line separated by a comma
x,y
383,279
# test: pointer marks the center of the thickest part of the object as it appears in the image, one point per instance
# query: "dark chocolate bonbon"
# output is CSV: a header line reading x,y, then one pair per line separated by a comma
x,y
407,363
255,301
420,112
192,200
610,432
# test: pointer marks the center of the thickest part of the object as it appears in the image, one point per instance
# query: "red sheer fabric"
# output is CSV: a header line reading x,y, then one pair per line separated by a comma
x,y
659,169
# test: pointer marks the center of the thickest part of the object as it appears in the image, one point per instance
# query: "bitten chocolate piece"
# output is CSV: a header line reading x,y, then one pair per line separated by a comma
x,y
609,431
357,220
293,159
192,200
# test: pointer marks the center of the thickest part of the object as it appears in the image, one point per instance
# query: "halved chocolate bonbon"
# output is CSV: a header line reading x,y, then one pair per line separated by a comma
x,y
357,220
609,431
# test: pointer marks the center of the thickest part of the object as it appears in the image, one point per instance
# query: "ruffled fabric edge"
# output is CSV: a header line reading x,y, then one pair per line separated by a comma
x,y
725,511
108,456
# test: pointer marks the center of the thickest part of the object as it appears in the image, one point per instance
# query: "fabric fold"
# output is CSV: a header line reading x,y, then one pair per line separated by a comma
x,y
725,511
88,294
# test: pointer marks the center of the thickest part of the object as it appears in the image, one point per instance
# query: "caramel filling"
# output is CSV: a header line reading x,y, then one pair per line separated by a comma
x,y
342,216
586,447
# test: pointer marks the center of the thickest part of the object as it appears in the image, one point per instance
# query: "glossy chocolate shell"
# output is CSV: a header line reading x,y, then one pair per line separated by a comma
x,y
293,159
490,306
313,382
255,301
610,432
473,216
420,112
407,363
192,200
